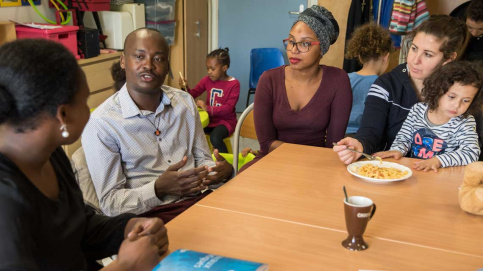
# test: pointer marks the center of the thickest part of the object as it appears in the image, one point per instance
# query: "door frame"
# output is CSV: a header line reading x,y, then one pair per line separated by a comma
x,y
212,25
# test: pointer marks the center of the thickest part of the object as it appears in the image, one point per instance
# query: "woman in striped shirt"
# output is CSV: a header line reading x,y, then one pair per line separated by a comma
x,y
440,129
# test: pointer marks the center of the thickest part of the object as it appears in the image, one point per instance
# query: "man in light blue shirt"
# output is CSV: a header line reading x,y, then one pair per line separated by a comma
x,y
145,147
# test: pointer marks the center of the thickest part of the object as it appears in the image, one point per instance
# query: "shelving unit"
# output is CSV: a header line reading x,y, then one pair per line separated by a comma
x,y
99,80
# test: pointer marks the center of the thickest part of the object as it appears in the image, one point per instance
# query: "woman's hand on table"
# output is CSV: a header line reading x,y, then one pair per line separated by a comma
x,y
389,154
136,253
429,164
201,104
222,170
154,227
346,156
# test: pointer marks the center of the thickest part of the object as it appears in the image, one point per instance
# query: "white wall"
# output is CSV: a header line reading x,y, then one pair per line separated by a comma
x,y
26,14
213,25
247,24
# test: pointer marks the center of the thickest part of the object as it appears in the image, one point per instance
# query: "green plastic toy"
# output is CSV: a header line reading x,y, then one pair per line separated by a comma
x,y
241,160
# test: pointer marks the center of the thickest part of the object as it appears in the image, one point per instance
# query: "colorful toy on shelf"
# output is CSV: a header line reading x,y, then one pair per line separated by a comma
x,y
26,2
10,3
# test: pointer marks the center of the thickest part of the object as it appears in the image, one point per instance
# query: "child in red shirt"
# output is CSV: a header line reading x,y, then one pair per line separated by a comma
x,y
222,95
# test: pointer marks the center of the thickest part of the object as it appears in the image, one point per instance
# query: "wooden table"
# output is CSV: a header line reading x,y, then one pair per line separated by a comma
x,y
289,213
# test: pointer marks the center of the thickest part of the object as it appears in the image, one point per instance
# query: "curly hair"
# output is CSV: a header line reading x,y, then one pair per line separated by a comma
x,y
222,56
118,75
452,32
36,76
475,11
440,81
369,42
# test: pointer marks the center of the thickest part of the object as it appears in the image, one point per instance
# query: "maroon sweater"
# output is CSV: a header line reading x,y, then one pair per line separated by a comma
x,y
322,121
221,100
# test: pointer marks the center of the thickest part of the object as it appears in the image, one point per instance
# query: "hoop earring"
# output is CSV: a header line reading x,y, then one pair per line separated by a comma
x,y
65,133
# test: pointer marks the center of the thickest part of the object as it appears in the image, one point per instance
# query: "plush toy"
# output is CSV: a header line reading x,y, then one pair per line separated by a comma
x,y
471,191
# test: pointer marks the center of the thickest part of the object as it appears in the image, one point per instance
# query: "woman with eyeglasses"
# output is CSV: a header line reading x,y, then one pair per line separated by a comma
x,y
304,102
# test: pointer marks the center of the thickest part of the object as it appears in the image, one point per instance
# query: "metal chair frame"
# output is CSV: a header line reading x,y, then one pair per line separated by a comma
x,y
242,129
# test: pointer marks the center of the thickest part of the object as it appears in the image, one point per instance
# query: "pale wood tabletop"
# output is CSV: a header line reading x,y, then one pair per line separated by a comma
x,y
292,246
302,184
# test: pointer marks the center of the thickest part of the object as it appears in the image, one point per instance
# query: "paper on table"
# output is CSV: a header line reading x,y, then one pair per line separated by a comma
x,y
39,26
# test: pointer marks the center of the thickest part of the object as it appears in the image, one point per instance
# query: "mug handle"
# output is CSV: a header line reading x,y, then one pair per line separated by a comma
x,y
373,210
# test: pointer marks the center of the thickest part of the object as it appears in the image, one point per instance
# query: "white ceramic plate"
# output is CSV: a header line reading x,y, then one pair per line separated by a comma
x,y
352,168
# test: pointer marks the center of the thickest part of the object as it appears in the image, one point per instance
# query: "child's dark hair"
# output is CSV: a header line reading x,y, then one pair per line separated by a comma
x,y
369,42
222,56
440,81
474,11
450,31
118,75
36,76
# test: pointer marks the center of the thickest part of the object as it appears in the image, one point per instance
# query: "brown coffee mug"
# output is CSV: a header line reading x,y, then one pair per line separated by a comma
x,y
358,211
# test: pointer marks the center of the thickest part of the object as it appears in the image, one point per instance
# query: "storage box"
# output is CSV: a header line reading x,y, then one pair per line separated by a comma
x,y
66,35
159,10
88,5
10,3
116,25
166,28
7,32
137,13
26,2
88,40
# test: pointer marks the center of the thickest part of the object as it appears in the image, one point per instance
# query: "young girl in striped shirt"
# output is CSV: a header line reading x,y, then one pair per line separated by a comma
x,y
441,130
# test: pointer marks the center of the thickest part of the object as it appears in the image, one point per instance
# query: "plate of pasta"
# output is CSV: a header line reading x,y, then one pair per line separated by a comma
x,y
379,172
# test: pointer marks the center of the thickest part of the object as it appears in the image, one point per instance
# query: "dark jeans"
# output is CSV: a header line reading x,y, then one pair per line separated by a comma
x,y
217,134
170,211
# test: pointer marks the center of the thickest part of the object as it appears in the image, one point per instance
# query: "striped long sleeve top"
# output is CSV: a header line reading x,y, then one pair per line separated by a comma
x,y
454,143
387,105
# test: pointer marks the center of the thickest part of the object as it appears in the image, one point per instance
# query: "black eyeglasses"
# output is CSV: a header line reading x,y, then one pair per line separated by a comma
x,y
302,46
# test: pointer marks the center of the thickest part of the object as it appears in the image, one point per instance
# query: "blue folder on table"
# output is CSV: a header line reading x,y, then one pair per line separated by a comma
x,y
188,260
